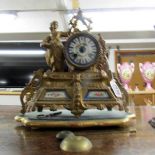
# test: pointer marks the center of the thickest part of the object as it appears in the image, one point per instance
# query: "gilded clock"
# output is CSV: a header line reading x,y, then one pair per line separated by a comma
x,y
82,50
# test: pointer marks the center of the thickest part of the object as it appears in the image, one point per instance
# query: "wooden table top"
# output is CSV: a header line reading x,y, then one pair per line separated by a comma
x,y
18,140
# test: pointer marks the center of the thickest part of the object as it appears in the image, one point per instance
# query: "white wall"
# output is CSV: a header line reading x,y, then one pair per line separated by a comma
x,y
112,60
9,100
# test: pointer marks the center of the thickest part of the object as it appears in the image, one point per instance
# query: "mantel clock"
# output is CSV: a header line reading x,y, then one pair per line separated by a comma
x,y
78,89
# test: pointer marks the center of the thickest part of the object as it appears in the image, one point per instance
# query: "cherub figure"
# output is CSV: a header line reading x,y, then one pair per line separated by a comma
x,y
79,17
54,55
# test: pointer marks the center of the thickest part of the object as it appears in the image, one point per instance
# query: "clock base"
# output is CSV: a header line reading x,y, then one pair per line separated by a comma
x,y
76,92
63,118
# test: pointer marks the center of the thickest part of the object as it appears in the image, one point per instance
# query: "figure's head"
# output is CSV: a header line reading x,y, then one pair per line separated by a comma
x,y
79,12
54,25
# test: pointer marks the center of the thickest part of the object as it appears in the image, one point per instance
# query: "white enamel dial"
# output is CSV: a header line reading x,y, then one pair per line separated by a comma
x,y
82,50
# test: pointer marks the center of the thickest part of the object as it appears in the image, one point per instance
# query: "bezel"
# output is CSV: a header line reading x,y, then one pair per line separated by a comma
x,y
67,55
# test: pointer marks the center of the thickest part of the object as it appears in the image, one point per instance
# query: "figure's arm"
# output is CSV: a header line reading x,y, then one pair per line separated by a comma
x,y
64,34
46,42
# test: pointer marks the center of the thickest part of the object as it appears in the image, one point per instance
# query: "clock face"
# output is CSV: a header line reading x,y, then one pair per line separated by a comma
x,y
82,50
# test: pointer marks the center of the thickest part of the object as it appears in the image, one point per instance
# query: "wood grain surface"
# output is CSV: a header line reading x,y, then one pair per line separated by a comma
x,y
15,139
